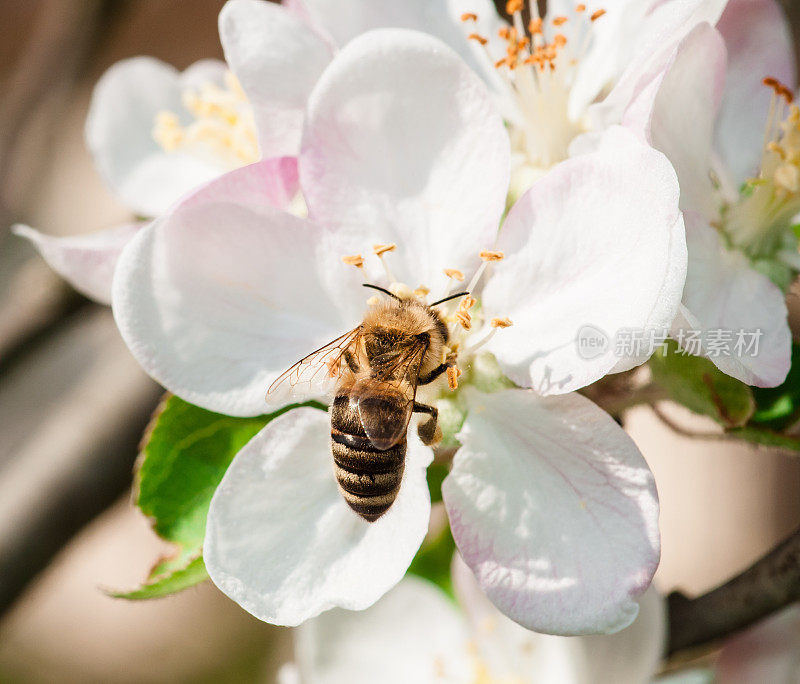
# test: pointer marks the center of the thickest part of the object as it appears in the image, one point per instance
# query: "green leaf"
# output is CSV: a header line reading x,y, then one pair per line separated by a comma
x,y
187,451
777,408
435,475
696,383
433,560
766,438
193,573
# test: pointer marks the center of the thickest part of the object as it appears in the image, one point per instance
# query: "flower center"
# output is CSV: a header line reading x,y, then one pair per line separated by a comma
x,y
539,67
759,222
222,126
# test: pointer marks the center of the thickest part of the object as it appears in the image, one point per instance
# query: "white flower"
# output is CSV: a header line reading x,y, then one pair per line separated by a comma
x,y
709,121
416,634
156,133
550,502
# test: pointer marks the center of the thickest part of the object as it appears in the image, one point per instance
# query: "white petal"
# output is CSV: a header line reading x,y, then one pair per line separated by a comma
x,y
513,653
277,59
555,511
598,242
415,627
219,296
86,262
403,145
759,44
119,133
664,26
347,19
282,542
723,292
683,112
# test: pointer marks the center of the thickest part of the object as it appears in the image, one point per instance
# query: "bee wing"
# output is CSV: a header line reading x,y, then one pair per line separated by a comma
x,y
324,364
385,406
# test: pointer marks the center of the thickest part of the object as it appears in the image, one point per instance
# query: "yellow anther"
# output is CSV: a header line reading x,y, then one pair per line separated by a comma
x,y
580,8
777,149
597,14
559,40
469,16
514,6
422,291
401,290
488,255
452,377
354,260
380,250
477,37
167,131
501,323
454,273
467,302
464,319
559,21
535,26
787,177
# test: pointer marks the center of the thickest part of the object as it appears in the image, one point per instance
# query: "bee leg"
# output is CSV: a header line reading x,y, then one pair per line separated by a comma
x,y
429,431
351,361
435,373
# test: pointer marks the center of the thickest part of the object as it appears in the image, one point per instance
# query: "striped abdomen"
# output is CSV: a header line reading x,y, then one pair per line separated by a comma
x,y
369,479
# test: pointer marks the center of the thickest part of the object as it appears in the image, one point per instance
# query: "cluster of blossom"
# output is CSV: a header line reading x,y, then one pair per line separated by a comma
x,y
619,137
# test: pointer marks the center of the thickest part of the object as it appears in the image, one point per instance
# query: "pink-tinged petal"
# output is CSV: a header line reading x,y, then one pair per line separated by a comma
x,y
759,43
677,113
119,133
277,58
664,26
723,292
569,268
767,652
282,542
555,511
86,262
403,144
512,653
222,294
415,627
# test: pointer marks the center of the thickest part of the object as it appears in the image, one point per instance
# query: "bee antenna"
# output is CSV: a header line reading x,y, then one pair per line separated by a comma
x,y
449,297
381,289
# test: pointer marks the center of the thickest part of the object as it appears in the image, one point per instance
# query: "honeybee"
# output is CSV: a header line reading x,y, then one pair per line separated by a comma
x,y
377,367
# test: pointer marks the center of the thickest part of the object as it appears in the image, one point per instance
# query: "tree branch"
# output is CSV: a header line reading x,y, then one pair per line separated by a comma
x,y
769,584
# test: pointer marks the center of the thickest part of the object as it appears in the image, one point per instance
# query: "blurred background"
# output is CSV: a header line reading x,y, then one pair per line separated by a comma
x,y
73,403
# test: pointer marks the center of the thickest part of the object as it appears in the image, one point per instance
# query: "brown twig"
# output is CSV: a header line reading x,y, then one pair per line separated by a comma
x,y
769,584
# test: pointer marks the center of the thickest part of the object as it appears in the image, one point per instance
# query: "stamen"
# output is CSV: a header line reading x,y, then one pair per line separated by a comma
x,y
559,21
597,14
464,319
401,290
467,302
580,8
469,16
501,323
452,377
422,292
487,255
514,6
454,273
354,260
535,26
477,37
380,250
787,178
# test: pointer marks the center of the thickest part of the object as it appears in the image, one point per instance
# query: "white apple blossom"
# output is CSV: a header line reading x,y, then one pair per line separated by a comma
x,y
417,634
550,502
156,133
735,145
